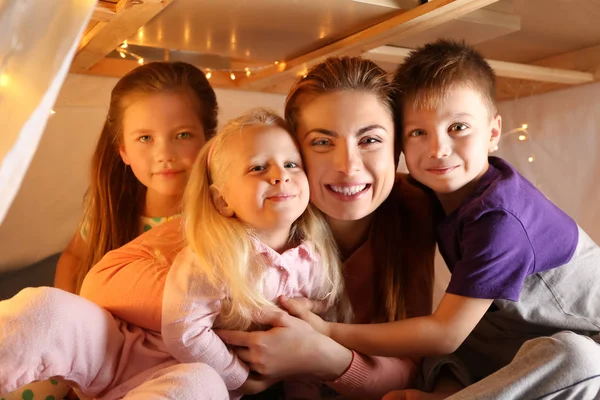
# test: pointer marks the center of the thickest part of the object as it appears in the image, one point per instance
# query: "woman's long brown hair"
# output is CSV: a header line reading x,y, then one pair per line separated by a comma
x,y
401,233
114,199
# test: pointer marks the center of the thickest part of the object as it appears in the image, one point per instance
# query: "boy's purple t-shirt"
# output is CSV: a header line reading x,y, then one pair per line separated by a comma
x,y
503,232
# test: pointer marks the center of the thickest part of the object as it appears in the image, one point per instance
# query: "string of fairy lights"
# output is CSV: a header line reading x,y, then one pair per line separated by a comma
x,y
523,135
125,51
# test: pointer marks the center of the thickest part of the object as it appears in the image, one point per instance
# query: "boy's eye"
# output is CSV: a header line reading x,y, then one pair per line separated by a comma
x,y
458,127
290,164
184,135
145,138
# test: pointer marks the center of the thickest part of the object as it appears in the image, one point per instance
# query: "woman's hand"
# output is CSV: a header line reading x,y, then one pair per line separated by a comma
x,y
291,347
256,383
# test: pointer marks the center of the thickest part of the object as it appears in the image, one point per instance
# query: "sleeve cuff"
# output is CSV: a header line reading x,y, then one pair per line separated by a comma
x,y
237,377
355,376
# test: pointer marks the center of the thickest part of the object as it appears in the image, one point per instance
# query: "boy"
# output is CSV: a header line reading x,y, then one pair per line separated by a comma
x,y
523,272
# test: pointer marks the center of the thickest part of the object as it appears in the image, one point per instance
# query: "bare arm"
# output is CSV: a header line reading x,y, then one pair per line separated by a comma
x,y
440,333
67,269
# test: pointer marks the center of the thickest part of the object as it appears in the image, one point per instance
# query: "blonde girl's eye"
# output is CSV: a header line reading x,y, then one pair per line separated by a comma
x,y
458,127
184,135
257,168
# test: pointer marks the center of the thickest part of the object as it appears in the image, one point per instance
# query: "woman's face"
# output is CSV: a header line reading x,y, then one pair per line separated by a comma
x,y
347,140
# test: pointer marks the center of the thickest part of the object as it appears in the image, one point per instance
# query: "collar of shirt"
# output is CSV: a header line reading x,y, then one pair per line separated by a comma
x,y
287,259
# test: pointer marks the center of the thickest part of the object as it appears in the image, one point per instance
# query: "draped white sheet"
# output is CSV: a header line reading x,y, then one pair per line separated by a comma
x,y
37,43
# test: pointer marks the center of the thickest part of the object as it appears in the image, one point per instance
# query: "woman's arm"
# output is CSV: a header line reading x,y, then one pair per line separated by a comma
x,y
270,354
68,265
129,282
373,377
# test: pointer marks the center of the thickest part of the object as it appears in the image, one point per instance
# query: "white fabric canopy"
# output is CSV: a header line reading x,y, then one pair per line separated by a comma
x,y
37,43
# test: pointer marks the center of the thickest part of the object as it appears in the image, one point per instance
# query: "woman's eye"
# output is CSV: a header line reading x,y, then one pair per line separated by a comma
x,y
145,138
459,127
415,133
257,168
320,142
184,135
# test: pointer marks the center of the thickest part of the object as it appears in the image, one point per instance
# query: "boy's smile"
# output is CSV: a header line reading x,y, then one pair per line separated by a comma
x,y
447,148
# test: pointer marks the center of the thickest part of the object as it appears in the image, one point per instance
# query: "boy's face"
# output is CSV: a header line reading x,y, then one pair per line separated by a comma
x,y
447,148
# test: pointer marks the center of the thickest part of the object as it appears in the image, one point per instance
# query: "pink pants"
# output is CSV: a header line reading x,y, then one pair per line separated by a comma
x,y
47,332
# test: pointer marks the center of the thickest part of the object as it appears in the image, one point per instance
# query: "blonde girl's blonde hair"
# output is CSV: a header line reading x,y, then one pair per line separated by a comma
x,y
224,245
114,200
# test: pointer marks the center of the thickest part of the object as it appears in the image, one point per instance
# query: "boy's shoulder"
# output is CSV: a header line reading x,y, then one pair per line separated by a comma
x,y
503,188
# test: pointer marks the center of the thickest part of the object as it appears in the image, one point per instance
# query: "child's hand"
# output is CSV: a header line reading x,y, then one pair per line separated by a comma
x,y
305,309
257,383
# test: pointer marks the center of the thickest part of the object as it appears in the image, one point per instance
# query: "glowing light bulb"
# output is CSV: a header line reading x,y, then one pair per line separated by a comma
x,y
124,45
530,159
122,54
232,76
522,137
141,61
208,75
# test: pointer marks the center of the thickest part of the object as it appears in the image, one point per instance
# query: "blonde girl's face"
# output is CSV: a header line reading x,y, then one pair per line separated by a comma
x,y
265,184
162,135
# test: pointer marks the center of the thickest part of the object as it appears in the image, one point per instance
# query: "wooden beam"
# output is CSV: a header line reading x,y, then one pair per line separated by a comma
x,y
130,16
587,59
402,25
540,74
104,11
503,69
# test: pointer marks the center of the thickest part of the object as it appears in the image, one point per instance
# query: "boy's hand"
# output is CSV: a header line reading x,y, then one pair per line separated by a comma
x,y
257,383
305,309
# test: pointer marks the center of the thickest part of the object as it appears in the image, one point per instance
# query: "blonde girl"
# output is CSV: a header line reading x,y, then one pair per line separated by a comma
x,y
159,117
251,238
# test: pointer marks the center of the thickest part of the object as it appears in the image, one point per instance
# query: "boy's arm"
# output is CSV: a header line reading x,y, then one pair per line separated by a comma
x,y
496,258
190,307
440,333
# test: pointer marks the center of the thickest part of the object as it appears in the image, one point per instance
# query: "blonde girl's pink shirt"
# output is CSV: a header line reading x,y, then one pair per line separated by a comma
x,y
191,305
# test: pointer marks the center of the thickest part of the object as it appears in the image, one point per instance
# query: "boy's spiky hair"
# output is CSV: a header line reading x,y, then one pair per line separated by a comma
x,y
430,71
